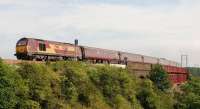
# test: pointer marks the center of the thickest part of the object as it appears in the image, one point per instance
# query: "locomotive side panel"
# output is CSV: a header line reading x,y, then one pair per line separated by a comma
x,y
32,46
61,49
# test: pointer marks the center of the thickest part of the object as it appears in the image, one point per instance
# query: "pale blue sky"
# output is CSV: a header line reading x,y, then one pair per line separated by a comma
x,y
160,28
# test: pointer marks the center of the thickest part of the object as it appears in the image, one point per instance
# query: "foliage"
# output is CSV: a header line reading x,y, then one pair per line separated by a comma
x,y
78,85
195,71
115,85
147,96
190,97
160,77
41,82
12,87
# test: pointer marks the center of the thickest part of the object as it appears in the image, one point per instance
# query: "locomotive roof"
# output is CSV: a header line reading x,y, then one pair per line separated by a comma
x,y
47,40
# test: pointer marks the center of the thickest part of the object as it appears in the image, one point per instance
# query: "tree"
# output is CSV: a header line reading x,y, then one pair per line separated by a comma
x,y
41,82
12,87
147,97
160,77
116,85
190,96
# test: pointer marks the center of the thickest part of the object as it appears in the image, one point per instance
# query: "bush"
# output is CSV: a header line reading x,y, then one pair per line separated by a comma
x,y
41,82
12,87
77,88
28,104
160,78
190,96
115,85
147,97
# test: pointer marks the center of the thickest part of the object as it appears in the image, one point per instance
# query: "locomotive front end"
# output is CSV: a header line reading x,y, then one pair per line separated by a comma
x,y
21,48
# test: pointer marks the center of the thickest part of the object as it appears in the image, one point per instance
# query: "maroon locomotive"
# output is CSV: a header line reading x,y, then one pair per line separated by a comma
x,y
37,49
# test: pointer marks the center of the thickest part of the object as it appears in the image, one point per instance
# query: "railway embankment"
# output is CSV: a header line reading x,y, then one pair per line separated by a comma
x,y
78,85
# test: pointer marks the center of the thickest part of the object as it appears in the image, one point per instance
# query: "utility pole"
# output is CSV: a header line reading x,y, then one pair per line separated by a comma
x,y
184,57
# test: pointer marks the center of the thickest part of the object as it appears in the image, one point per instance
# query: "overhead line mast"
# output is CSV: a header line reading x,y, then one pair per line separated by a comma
x,y
184,57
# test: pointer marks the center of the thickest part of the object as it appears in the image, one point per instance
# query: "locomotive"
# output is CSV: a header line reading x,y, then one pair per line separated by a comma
x,y
43,50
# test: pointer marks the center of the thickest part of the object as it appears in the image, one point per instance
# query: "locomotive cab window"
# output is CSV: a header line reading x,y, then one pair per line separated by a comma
x,y
22,42
42,47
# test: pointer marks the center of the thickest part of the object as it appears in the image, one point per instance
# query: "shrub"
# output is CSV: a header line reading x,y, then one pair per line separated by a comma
x,y
12,87
147,97
115,85
28,104
41,82
77,88
160,77
190,96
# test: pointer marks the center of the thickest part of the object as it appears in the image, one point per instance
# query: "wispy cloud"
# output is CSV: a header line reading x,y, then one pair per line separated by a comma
x,y
157,28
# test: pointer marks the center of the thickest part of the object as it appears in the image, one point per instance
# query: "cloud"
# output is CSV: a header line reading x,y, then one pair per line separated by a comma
x,y
158,28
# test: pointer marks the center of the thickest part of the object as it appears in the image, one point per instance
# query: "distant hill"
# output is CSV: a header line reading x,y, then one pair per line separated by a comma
x,y
195,71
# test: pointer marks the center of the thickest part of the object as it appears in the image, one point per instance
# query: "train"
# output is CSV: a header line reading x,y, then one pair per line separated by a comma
x,y
45,50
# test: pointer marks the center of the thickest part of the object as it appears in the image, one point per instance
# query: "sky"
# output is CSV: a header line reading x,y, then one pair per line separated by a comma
x,y
159,28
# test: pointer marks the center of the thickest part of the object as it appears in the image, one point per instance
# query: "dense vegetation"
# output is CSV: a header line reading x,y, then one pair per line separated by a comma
x,y
160,77
77,85
195,71
190,97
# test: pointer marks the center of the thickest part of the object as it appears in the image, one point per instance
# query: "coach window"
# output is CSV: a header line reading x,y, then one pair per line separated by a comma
x,y
42,47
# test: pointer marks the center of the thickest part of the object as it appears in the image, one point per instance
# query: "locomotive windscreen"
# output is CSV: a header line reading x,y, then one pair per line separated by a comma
x,y
22,42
